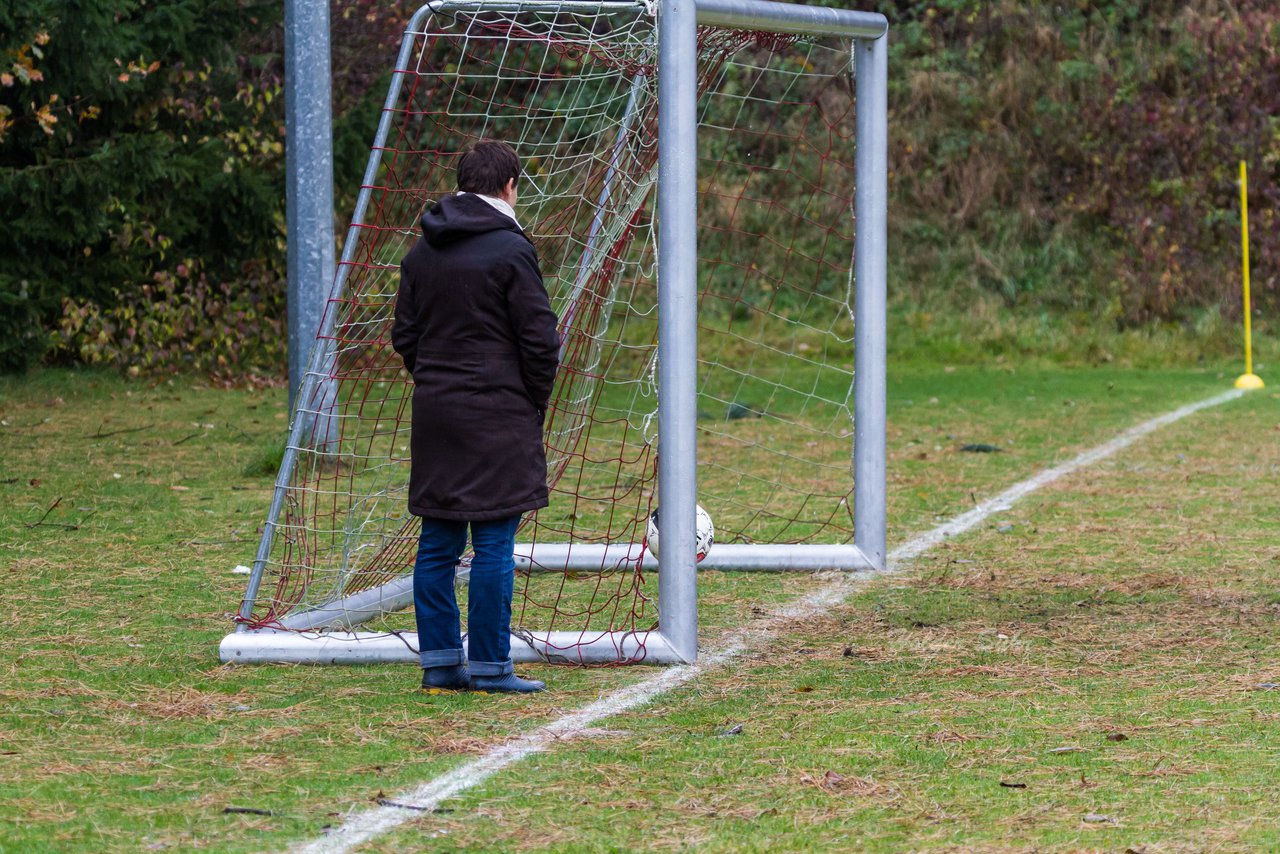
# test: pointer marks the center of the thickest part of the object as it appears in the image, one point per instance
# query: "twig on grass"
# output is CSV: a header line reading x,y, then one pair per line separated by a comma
x,y
100,435
41,520
241,431
246,811
387,802
234,539
187,438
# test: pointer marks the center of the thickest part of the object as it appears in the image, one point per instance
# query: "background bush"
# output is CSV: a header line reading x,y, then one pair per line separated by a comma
x,y
1081,157
1070,162
135,136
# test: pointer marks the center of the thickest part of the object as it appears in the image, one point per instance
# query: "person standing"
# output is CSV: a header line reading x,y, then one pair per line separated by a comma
x,y
476,330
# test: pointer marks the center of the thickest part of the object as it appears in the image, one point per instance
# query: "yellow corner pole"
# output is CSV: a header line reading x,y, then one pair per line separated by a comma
x,y
1247,380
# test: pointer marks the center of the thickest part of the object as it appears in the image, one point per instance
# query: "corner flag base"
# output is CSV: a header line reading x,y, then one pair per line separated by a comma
x,y
1249,382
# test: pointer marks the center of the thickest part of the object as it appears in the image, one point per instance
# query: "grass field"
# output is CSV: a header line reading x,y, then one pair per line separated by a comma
x,y
1094,669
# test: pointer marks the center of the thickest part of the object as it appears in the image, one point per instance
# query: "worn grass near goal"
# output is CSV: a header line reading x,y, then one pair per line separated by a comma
x,y
1095,670
1138,601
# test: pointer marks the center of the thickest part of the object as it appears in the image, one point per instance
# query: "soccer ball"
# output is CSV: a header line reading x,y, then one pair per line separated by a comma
x,y
704,537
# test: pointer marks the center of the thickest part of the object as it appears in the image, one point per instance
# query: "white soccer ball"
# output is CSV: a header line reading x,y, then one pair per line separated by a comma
x,y
704,537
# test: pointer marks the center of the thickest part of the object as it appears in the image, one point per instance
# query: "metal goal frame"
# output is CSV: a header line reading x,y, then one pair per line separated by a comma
x,y
325,634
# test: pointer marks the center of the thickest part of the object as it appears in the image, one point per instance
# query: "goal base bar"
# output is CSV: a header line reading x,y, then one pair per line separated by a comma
x,y
273,646
736,557
356,609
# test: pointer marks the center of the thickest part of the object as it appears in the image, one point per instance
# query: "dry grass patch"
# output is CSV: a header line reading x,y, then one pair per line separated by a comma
x,y
171,704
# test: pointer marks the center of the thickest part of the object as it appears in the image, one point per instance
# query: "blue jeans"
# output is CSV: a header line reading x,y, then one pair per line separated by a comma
x,y
489,598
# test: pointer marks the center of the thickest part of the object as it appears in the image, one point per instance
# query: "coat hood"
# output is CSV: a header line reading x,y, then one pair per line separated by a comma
x,y
457,217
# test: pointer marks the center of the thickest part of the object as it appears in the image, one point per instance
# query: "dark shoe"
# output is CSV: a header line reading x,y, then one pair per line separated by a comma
x,y
508,683
452,677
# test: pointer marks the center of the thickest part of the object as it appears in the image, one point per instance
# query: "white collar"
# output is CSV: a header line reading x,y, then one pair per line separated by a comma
x,y
498,205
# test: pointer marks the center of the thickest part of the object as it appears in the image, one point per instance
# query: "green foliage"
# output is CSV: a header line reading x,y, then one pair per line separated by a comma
x,y
132,136
1161,147
1106,134
181,319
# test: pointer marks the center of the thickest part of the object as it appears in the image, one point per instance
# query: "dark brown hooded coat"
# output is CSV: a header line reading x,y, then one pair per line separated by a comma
x,y
475,328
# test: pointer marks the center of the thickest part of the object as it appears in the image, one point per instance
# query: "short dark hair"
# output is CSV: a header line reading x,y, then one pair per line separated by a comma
x,y
487,167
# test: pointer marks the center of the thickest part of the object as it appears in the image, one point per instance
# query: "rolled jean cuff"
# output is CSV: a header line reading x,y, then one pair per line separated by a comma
x,y
490,668
441,657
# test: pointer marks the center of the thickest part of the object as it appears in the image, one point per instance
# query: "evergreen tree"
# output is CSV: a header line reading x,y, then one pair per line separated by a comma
x,y
134,136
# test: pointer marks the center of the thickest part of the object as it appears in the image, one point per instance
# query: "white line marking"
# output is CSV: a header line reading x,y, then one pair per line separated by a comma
x,y
375,822
914,548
